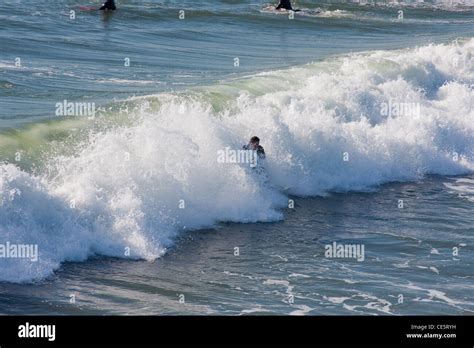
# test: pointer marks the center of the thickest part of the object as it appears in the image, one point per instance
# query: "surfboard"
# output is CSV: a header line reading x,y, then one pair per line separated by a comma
x,y
87,8
272,9
282,11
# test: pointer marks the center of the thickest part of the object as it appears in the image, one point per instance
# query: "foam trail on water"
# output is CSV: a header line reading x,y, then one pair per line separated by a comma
x,y
135,187
463,187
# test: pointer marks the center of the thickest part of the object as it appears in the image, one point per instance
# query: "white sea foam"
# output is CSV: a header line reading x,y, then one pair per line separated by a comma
x,y
309,118
464,188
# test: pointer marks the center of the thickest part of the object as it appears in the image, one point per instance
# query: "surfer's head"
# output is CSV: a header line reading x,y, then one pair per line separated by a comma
x,y
255,140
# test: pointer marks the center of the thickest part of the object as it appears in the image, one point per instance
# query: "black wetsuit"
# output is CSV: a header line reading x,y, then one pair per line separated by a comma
x,y
286,4
260,150
109,5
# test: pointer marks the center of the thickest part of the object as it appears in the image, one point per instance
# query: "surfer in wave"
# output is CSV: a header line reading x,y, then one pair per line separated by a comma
x,y
285,4
254,145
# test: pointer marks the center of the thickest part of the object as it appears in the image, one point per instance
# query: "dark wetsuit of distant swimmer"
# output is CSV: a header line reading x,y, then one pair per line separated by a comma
x,y
286,4
108,5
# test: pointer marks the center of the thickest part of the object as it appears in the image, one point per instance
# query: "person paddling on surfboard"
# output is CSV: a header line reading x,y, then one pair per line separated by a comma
x,y
108,5
285,4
